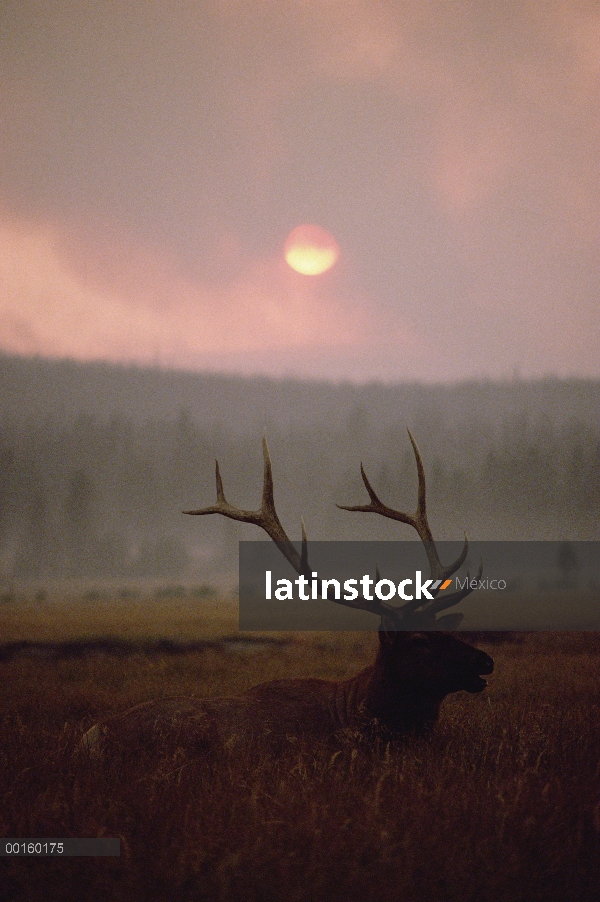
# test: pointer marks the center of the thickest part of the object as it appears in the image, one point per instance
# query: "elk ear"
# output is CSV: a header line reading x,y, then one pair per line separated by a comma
x,y
450,621
389,634
387,631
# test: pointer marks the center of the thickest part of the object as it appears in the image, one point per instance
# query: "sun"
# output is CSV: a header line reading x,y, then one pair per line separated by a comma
x,y
310,250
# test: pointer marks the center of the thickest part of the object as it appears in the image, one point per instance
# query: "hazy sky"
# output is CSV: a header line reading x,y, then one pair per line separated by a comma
x,y
155,155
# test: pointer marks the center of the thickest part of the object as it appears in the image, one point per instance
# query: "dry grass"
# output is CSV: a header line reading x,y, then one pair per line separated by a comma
x,y
121,612
502,803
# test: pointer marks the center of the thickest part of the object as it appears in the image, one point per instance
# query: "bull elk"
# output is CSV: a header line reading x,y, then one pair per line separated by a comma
x,y
416,667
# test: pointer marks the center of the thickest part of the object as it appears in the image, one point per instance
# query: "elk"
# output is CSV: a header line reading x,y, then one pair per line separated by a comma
x,y
417,664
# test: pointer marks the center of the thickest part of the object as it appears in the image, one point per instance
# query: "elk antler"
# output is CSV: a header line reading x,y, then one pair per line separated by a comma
x,y
420,524
398,617
266,518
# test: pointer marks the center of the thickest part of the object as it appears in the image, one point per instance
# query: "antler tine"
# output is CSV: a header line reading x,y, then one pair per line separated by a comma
x,y
376,503
268,501
449,601
304,555
220,492
452,568
438,571
421,512
377,506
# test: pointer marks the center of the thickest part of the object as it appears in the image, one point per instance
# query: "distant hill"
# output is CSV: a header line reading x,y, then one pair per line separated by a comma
x,y
36,388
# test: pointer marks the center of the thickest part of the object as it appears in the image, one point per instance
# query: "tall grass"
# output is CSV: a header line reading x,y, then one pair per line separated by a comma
x,y
502,802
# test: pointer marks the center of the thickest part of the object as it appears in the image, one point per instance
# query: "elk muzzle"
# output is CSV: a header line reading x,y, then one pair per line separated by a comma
x,y
474,681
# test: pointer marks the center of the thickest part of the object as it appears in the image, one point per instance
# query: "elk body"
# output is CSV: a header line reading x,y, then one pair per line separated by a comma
x,y
416,667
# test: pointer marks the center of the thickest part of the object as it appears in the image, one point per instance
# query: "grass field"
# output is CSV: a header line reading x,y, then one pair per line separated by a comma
x,y
501,803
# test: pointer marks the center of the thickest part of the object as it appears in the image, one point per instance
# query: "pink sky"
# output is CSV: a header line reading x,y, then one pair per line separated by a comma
x,y
153,159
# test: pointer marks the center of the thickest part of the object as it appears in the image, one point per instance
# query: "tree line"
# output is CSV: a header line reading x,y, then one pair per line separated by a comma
x,y
97,496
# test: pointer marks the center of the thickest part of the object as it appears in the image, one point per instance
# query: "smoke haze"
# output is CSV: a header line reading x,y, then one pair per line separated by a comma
x,y
154,157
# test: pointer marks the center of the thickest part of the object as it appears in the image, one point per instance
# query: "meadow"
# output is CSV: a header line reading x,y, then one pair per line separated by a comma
x,y
502,802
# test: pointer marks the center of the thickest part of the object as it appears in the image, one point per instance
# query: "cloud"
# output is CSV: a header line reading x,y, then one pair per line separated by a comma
x,y
154,156
137,306
501,83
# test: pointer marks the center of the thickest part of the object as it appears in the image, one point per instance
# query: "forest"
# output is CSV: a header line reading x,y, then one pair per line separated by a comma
x,y
97,462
